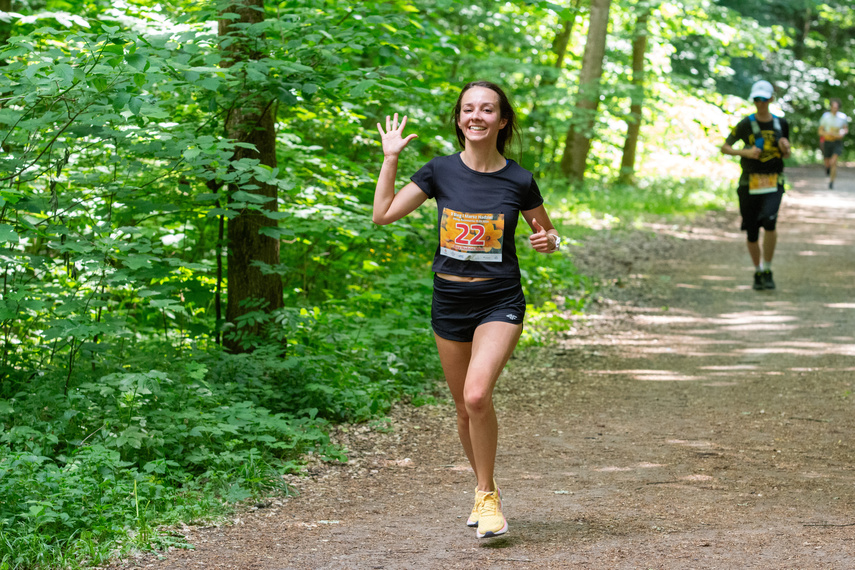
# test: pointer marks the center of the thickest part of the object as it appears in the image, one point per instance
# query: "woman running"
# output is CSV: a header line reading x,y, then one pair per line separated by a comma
x,y
478,303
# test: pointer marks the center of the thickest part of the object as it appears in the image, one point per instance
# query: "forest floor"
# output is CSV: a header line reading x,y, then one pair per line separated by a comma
x,y
687,421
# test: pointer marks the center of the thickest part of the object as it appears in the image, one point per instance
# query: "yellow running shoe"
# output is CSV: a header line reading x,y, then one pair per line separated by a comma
x,y
473,516
491,521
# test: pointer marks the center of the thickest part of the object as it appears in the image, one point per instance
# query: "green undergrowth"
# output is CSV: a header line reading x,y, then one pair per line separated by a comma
x,y
606,206
166,435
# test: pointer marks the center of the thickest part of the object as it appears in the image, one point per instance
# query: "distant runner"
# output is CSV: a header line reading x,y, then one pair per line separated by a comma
x,y
761,185
833,126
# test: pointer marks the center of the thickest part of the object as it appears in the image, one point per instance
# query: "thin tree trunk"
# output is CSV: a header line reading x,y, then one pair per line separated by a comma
x,y
802,31
5,27
578,142
639,50
559,48
559,45
250,121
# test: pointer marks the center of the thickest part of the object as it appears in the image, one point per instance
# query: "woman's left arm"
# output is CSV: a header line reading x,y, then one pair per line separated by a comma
x,y
545,237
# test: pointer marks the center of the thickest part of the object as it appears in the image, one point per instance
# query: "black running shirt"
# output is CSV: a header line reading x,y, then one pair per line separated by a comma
x,y
771,160
477,215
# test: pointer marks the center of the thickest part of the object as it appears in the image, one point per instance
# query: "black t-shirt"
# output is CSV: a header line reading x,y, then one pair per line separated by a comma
x,y
477,215
770,160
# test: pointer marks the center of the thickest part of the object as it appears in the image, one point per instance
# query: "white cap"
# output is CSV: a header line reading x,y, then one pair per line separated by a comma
x,y
762,89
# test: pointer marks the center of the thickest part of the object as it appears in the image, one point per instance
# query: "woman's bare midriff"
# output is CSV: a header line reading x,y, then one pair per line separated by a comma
x,y
450,277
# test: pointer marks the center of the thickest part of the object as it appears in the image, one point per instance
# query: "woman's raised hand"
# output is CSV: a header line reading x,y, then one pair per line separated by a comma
x,y
392,138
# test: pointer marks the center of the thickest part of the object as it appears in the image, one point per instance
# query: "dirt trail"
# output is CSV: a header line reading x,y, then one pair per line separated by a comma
x,y
689,422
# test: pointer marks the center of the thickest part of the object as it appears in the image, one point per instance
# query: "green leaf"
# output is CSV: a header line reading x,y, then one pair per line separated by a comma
x,y
210,83
135,261
361,87
222,212
135,105
138,61
276,233
191,153
64,71
164,303
241,196
100,83
7,233
120,100
115,49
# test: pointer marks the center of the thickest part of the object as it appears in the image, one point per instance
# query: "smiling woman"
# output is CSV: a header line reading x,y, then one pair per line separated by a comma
x,y
478,302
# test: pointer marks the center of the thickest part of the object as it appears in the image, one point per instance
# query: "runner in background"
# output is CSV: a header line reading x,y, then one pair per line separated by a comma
x,y
761,186
833,126
478,303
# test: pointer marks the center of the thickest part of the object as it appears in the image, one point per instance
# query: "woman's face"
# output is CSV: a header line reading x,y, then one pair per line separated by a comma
x,y
835,106
479,115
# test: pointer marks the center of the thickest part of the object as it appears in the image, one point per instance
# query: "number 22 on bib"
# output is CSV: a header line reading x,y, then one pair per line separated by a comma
x,y
471,237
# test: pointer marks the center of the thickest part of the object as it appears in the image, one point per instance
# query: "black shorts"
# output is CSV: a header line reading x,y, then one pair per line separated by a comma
x,y
459,307
830,148
759,211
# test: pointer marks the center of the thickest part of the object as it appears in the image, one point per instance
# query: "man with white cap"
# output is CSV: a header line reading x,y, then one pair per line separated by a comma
x,y
761,186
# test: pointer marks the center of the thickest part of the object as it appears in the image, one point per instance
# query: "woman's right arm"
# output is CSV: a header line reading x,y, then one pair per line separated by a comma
x,y
388,205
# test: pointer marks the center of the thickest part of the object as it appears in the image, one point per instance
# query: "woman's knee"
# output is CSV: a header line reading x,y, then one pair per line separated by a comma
x,y
478,402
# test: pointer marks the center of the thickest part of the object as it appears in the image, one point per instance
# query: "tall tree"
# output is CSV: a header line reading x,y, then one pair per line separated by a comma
x,y
639,50
5,24
578,142
251,121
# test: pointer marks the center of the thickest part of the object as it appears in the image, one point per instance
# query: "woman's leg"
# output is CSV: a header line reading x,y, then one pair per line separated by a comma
x,y
455,357
471,370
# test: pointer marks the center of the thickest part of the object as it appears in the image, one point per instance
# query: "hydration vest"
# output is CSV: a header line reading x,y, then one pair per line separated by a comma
x,y
776,128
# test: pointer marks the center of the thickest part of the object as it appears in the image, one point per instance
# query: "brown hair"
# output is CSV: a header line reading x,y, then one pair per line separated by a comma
x,y
506,111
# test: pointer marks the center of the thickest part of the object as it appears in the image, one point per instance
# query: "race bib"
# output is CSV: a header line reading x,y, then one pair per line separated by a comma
x,y
471,237
762,183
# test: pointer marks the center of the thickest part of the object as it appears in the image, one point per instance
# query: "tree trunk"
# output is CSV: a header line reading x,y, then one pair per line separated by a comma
x,y
251,120
580,131
802,26
559,44
639,50
5,27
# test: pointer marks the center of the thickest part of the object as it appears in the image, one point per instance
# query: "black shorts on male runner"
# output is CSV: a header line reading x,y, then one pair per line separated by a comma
x,y
830,148
759,211
459,307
